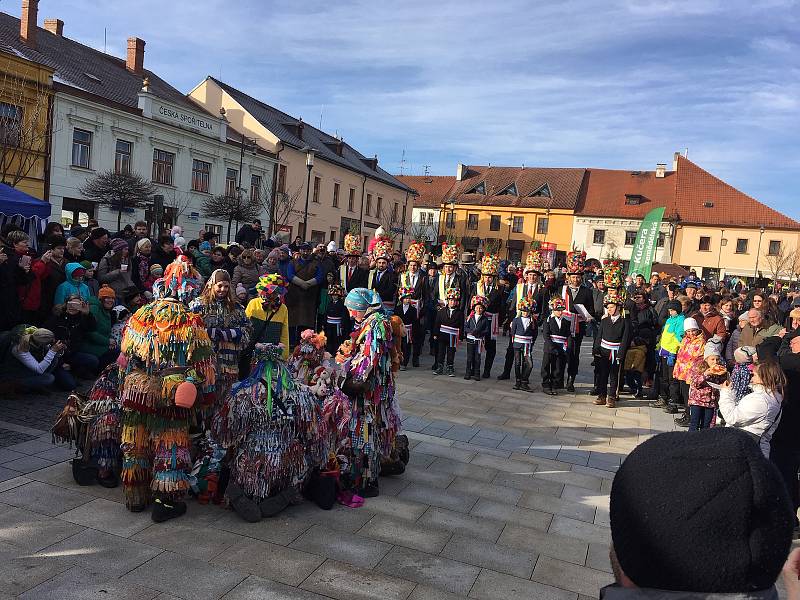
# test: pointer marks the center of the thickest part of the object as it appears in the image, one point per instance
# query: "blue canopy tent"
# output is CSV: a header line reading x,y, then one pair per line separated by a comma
x,y
23,210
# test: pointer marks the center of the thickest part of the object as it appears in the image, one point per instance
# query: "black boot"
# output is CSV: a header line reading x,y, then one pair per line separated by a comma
x,y
503,376
486,374
660,403
164,510
671,409
477,376
518,384
571,384
683,420
415,361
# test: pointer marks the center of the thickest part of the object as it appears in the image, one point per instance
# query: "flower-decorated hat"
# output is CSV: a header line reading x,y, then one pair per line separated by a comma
x,y
526,303
271,284
405,292
534,262
575,262
614,296
382,248
450,253
335,289
557,303
415,252
180,280
453,294
612,273
490,263
352,244
479,300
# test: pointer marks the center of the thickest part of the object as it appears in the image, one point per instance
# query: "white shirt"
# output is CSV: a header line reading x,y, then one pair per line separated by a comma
x,y
526,321
406,307
558,321
478,318
613,318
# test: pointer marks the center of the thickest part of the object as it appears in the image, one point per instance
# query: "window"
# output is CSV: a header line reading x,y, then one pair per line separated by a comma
x,y
315,194
368,210
662,238
494,223
472,221
255,188
77,212
630,238
10,124
633,199
517,224
163,165
774,248
430,218
122,157
336,187
478,189
201,176
450,221
599,236
741,245
543,192
215,229
509,191
379,207
395,210
230,182
351,200
81,148
705,244
543,225
282,178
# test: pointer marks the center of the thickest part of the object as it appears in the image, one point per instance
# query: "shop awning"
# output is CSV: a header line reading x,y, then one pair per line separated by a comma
x,y
23,210
671,269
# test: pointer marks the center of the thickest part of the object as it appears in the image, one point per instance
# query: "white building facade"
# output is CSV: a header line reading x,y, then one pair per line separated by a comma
x,y
425,224
602,237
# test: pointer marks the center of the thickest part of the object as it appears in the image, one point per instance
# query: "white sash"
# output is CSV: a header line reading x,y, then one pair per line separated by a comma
x,y
452,333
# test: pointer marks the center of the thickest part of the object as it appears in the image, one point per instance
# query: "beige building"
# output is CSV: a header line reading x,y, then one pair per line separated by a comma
x,y
343,188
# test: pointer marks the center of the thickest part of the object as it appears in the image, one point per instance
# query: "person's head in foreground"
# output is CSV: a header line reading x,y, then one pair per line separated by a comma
x,y
698,513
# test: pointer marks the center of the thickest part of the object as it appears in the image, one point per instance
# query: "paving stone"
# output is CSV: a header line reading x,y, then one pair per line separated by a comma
x,y
344,582
426,477
286,565
31,531
485,449
498,511
278,530
339,517
102,552
111,517
44,498
569,477
30,447
492,585
394,507
597,558
12,482
352,549
57,454
403,533
481,553
571,577
420,460
448,520
445,452
426,592
455,577
7,455
490,491
529,483
195,579
601,473
429,439
461,469
584,496
188,539
575,459
452,500
580,530
557,506
27,464
21,571
79,583
503,464
256,588
547,544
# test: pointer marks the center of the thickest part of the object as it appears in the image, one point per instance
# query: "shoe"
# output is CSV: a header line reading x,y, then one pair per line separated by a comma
x,y
395,467
552,391
270,507
370,490
571,385
487,375
401,445
451,372
243,506
164,510
517,385
611,402
671,409
660,403
84,473
477,377
525,387
111,481
594,391
438,371
682,421
639,395
600,401
503,376
434,367
467,377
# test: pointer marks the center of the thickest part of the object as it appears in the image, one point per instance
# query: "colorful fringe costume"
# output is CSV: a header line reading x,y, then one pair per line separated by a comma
x,y
270,422
164,346
105,427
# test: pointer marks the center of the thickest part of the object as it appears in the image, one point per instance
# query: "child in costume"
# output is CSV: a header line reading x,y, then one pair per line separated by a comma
x,y
448,330
690,353
408,315
228,329
367,365
337,319
167,355
268,313
609,349
523,336
556,334
478,329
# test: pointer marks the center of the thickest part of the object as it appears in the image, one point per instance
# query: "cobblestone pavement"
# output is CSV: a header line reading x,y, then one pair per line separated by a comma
x,y
506,496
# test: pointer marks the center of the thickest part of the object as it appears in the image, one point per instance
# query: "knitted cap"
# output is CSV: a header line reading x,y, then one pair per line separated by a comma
x,y
690,323
240,290
712,349
118,245
106,291
744,355
270,284
204,246
156,269
361,299
711,508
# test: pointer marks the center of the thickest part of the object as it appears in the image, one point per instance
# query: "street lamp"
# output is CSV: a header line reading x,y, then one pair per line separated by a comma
x,y
510,221
758,253
309,165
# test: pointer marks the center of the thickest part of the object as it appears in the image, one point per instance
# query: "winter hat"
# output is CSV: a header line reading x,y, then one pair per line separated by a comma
x,y
712,348
106,291
143,242
180,242
743,316
714,511
204,246
118,245
241,291
156,269
361,299
744,355
274,254
674,305
690,323
331,246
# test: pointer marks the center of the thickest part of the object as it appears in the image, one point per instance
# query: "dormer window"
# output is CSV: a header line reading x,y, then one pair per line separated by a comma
x,y
542,192
511,190
479,189
633,199
708,204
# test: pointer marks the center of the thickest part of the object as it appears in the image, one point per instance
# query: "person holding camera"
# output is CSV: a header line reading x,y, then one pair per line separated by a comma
x,y
31,358
70,323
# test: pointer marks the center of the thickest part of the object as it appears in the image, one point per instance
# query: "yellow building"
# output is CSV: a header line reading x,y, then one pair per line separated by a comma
x,y
26,100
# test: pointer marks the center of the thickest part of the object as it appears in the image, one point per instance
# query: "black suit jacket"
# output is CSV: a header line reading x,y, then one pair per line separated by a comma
x,y
386,286
358,280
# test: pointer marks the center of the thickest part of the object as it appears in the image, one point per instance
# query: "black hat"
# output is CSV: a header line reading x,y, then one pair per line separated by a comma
x,y
673,287
97,233
77,230
700,512
674,305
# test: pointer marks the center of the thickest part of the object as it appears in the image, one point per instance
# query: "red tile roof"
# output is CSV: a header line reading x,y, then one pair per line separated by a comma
x,y
606,192
432,189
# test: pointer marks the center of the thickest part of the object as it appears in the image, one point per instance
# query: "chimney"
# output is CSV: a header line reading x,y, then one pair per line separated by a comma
x,y
374,162
55,26
135,60
27,22
661,169
300,127
340,147
461,172
675,161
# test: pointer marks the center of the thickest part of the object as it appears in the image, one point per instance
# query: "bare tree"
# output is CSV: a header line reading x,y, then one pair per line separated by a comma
x,y
25,126
178,201
230,209
780,264
280,207
121,191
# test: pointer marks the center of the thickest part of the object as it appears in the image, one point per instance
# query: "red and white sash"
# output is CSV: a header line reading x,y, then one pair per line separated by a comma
x,y
452,333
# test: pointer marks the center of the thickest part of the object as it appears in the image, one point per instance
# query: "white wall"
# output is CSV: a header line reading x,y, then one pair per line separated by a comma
x,y
583,235
109,124
429,227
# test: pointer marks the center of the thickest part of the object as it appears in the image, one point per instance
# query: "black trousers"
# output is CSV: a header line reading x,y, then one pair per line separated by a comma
x,y
574,354
444,351
509,361
607,377
553,369
665,378
679,392
473,359
523,365
491,352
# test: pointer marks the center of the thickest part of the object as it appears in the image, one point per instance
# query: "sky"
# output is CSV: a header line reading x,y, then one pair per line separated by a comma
x,y
571,83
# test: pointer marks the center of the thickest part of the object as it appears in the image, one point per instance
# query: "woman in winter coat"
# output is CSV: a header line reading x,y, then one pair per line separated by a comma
x,y
115,270
246,272
140,264
15,273
98,342
759,412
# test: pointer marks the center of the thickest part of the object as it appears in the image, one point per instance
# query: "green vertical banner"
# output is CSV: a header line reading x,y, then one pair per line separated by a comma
x,y
644,249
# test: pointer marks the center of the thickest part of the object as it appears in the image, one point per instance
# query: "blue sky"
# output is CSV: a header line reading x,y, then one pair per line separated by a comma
x,y
576,83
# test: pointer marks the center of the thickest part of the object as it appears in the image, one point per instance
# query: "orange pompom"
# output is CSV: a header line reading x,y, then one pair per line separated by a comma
x,y
185,395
